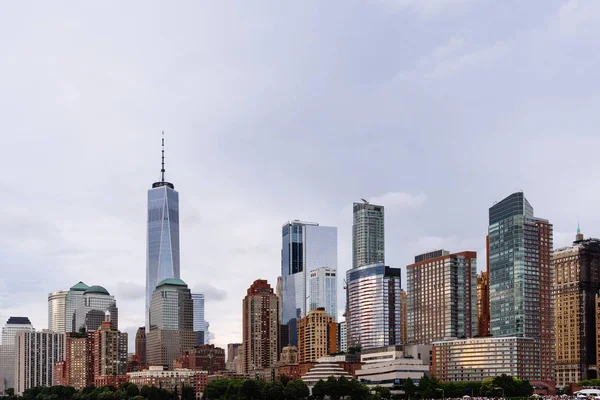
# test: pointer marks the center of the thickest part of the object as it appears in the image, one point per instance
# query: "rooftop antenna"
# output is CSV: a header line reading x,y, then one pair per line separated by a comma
x,y
365,201
162,170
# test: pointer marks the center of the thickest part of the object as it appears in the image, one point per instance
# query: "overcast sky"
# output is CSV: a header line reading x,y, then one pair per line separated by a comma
x,y
275,111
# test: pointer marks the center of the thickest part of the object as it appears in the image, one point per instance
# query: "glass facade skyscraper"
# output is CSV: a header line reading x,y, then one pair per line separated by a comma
x,y
323,291
521,275
374,306
368,234
13,326
57,311
96,306
305,247
200,324
162,257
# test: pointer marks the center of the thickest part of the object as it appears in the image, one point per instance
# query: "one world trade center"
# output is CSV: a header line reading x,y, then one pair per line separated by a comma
x,y
162,246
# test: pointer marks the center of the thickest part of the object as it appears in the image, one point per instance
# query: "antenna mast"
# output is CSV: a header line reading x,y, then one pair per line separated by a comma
x,y
162,170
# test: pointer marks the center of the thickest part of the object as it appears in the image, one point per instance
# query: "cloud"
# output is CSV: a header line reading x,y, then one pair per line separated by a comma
x,y
399,200
422,7
130,291
210,292
453,57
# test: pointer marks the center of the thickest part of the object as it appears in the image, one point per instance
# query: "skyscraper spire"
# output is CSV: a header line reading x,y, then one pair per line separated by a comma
x,y
579,236
578,230
162,170
162,181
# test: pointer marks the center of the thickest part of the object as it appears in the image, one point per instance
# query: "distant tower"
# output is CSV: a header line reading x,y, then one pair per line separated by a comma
x,y
162,257
579,236
57,311
368,234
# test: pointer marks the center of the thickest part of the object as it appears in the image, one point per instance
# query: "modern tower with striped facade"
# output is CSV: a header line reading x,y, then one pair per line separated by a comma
x,y
162,257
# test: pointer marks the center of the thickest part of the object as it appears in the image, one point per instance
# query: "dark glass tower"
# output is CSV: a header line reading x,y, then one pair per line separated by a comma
x,y
521,273
162,246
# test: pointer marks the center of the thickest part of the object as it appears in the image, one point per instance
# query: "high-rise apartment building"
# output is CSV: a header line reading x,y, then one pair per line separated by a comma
x,y
95,303
57,311
368,234
13,326
323,290
205,357
171,323
260,344
110,352
162,257
200,324
35,356
483,304
521,276
576,284
441,296
403,317
317,336
305,247
140,345
373,316
77,368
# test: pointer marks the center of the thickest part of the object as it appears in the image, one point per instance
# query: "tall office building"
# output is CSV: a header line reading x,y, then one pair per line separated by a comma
x,y
521,276
317,336
373,316
35,355
442,296
576,284
368,235
73,302
200,324
57,311
323,290
260,324
171,323
110,352
342,337
162,257
91,312
232,351
403,317
305,247
13,326
483,304
140,345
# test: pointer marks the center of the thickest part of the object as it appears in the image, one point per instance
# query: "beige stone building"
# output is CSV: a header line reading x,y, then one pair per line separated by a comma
x,y
260,344
576,285
317,335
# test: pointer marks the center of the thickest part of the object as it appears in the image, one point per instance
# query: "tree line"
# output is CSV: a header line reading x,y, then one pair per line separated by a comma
x,y
289,389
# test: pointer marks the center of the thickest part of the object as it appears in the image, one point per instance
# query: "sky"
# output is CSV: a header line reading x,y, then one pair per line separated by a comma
x,y
274,111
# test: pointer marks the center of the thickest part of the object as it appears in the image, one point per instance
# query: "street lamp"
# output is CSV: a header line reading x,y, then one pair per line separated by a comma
x,y
443,393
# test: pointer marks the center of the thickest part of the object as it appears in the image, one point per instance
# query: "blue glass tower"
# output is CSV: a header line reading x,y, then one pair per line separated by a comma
x,y
162,246
306,247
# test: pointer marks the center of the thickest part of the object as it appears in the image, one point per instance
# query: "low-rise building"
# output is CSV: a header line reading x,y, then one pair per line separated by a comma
x,y
169,380
390,366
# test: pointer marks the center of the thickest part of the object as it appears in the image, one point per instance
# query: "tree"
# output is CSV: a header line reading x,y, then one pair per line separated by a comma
x,y
296,390
409,388
10,392
132,390
332,388
383,392
273,391
358,391
187,393
284,379
250,390
145,391
319,390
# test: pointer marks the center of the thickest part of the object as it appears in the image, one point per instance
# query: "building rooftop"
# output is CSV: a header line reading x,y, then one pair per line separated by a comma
x,y
18,321
80,286
96,289
172,282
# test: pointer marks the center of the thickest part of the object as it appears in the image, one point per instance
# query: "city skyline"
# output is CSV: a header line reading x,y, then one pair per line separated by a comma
x,y
82,139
